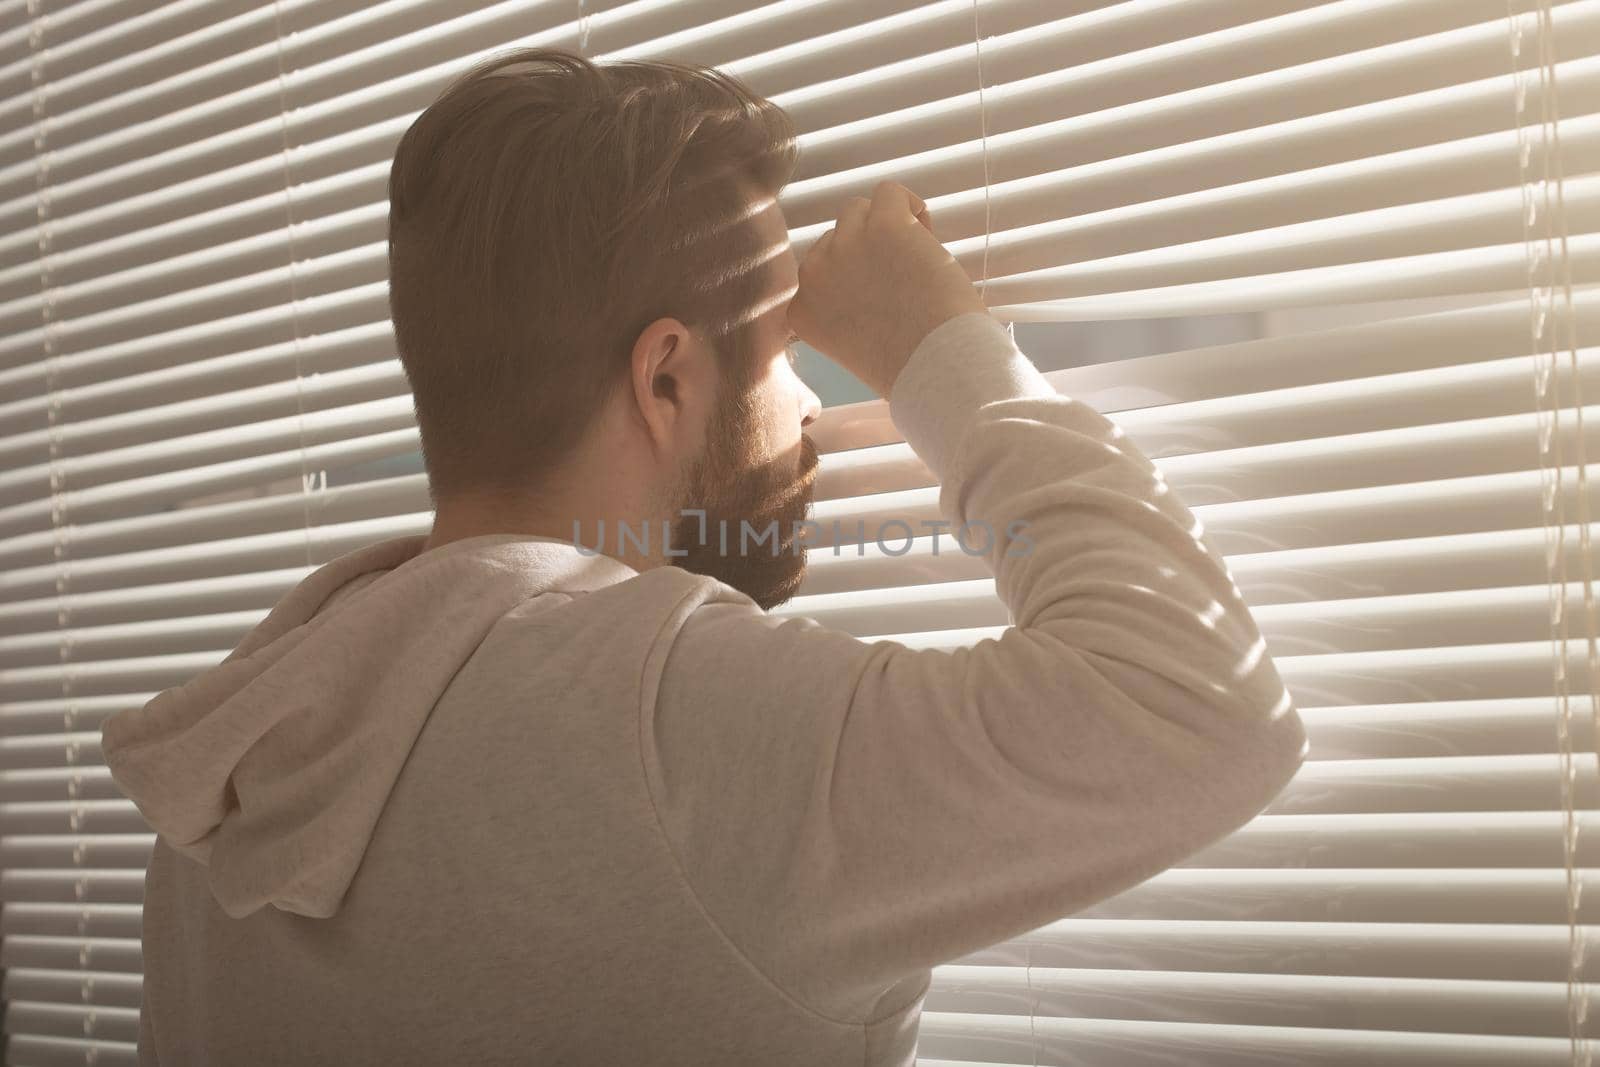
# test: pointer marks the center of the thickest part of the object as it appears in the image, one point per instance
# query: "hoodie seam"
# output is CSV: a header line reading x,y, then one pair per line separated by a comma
x,y
687,882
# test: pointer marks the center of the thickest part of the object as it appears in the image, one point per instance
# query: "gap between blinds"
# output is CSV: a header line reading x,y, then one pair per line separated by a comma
x,y
1111,984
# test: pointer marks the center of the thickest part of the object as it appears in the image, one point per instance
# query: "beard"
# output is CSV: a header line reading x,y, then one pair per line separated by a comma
x,y
768,561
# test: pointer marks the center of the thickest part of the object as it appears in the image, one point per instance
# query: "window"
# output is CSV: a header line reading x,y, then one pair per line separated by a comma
x,y
1333,265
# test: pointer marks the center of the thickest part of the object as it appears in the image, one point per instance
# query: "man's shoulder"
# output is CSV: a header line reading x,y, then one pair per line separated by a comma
x,y
672,587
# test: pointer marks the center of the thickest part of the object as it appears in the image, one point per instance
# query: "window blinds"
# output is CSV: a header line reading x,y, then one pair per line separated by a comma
x,y
193,317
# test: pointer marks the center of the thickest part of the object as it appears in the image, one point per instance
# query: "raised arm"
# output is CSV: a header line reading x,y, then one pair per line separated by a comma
x,y
852,813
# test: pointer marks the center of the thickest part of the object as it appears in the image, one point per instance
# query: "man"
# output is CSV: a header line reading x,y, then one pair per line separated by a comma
x,y
529,791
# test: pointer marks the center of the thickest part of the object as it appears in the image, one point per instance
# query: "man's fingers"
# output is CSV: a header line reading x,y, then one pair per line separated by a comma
x,y
892,198
889,198
820,245
853,216
890,193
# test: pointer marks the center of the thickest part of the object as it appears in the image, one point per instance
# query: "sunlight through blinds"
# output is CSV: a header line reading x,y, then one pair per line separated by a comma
x,y
200,402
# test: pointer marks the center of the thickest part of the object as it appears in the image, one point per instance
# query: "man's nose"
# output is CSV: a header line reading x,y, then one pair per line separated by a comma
x,y
811,406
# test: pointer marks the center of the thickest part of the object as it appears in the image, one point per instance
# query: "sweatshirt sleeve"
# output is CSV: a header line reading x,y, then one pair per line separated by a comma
x,y
850,814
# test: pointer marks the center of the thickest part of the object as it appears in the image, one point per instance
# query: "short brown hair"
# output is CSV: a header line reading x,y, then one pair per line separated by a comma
x,y
543,211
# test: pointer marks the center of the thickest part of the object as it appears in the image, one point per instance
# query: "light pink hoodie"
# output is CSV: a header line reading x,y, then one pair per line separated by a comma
x,y
506,802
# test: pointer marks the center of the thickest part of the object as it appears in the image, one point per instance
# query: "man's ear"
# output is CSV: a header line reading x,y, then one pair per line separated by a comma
x,y
673,382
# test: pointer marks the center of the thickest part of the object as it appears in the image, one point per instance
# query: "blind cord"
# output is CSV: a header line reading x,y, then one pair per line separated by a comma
x,y
306,479
1545,226
60,530
983,132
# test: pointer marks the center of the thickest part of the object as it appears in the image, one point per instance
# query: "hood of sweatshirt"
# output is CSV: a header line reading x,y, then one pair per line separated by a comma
x,y
273,767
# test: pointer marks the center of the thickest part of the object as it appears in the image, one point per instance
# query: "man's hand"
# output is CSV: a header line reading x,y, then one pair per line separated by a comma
x,y
876,284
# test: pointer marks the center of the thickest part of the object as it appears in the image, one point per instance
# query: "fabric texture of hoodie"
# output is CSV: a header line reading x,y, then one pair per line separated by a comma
x,y
511,802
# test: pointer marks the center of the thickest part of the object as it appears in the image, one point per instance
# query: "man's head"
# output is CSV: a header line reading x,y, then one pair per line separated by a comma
x,y
589,282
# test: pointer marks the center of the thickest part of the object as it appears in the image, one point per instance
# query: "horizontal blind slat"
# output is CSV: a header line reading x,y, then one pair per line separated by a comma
x,y
71,816
1334,1002
1402,839
68,1051
1511,671
102,987
1505,951
956,1040
95,1021
59,953
76,850
112,886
